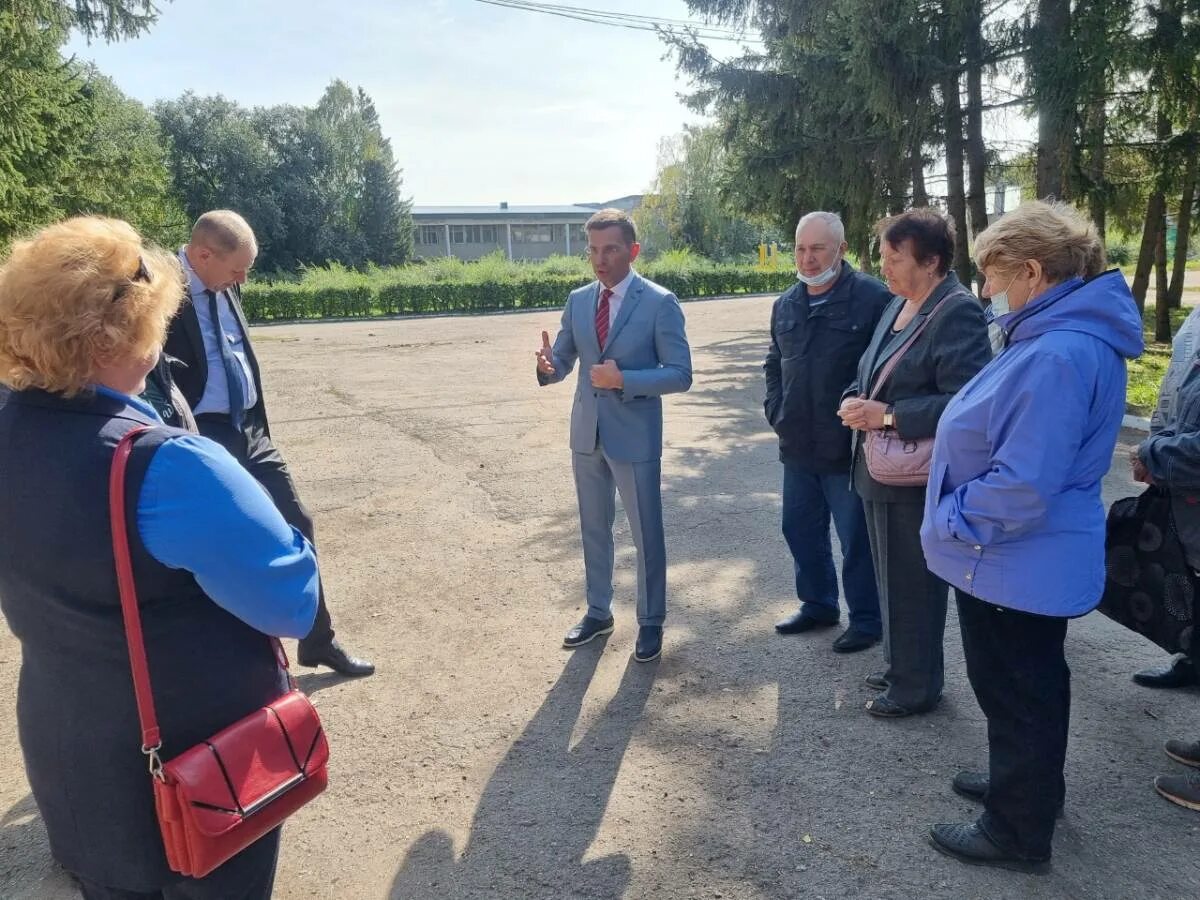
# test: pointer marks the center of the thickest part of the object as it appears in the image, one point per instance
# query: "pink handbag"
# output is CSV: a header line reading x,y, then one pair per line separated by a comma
x,y
891,459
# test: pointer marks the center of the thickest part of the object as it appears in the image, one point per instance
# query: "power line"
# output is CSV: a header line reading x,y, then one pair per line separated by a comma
x,y
630,21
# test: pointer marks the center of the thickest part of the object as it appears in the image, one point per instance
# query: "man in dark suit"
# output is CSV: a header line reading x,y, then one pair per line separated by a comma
x,y
220,381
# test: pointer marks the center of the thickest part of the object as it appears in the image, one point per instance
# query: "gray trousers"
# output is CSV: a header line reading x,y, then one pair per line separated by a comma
x,y
597,479
913,603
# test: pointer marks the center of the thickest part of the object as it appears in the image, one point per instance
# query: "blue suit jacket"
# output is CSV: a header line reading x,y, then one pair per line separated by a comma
x,y
648,343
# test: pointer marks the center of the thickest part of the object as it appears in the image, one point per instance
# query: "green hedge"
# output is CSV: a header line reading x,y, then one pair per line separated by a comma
x,y
487,286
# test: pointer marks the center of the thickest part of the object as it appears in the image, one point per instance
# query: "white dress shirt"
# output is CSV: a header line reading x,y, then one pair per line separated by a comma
x,y
618,294
216,390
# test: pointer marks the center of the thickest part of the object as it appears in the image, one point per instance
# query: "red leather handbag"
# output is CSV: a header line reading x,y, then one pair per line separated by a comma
x,y
220,796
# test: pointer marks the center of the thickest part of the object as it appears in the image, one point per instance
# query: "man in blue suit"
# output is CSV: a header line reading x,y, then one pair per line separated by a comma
x,y
628,336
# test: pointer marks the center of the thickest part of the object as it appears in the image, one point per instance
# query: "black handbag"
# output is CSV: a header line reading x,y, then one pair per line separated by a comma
x,y
1149,586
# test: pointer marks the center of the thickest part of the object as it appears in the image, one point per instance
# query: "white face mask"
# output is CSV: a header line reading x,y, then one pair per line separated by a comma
x,y
1000,304
821,278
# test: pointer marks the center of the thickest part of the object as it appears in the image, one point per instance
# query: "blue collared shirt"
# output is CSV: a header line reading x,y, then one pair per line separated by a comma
x,y
216,390
199,510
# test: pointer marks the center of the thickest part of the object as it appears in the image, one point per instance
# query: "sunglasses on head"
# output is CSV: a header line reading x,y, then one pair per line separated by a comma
x,y
142,274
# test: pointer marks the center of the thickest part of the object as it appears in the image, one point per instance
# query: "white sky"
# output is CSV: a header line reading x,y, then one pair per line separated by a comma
x,y
482,104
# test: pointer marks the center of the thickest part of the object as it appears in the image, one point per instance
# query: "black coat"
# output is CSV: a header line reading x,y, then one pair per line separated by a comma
x,y
945,357
164,395
186,344
813,357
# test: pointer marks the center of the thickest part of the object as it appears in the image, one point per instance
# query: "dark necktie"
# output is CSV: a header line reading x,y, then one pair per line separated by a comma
x,y
602,317
233,369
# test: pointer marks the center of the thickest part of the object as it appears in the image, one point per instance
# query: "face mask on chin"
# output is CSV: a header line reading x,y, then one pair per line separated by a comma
x,y
821,278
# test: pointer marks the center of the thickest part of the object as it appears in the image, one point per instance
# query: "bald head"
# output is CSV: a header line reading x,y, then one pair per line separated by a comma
x,y
222,249
224,230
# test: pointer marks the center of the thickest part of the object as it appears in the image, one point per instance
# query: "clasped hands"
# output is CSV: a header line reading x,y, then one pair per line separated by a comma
x,y
862,414
1140,472
605,376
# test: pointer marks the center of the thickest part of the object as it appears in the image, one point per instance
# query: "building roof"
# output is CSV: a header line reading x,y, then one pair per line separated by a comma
x,y
500,210
497,210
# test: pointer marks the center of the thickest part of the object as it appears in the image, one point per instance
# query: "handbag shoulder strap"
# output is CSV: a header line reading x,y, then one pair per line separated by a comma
x,y
127,586
151,738
891,364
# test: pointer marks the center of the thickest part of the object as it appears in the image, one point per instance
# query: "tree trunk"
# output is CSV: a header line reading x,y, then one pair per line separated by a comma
x,y
956,199
1183,224
1097,159
1054,94
865,262
1162,305
920,196
1156,211
976,150
1091,30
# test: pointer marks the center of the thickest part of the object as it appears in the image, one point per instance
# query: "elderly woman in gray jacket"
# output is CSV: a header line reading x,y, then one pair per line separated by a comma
x,y
917,249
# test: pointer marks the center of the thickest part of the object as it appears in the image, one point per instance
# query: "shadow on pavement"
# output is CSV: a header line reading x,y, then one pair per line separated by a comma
x,y
542,807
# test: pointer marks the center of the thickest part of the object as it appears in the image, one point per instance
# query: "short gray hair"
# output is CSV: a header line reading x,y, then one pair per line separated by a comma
x,y
832,221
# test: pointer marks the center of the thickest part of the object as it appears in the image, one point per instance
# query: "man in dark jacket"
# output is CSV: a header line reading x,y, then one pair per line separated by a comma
x,y
819,329
162,393
220,380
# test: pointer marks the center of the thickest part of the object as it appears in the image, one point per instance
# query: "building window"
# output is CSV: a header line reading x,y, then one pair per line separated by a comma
x,y
533,234
472,234
428,234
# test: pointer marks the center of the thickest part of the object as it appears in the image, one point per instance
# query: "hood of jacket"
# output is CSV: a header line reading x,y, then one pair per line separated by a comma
x,y
1101,307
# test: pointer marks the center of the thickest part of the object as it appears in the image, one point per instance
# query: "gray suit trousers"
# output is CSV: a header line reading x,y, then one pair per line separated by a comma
x,y
597,479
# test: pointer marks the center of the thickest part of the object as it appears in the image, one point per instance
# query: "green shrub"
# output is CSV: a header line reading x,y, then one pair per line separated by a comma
x,y
449,285
1119,254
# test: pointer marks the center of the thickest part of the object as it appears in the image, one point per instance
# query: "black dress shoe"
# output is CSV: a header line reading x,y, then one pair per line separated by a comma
x,y
852,640
974,786
334,657
587,629
970,844
1180,673
649,643
877,681
1186,752
886,708
801,622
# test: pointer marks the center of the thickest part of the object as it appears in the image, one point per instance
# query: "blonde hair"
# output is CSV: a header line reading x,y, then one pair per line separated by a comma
x,y
224,231
79,294
1055,234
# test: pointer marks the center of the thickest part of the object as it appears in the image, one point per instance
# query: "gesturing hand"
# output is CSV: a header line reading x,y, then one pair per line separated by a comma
x,y
545,356
607,376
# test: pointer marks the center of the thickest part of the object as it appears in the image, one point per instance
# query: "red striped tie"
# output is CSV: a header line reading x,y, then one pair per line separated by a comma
x,y
602,317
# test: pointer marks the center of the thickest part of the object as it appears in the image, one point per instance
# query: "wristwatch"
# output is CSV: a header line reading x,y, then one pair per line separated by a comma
x,y
889,417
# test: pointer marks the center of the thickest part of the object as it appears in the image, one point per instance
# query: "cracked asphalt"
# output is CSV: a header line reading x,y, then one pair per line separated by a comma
x,y
483,761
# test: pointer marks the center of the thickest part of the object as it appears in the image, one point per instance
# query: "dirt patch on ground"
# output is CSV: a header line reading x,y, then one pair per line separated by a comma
x,y
483,761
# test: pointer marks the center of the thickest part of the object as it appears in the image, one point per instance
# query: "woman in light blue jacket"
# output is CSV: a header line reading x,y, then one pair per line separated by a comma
x,y
1013,515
